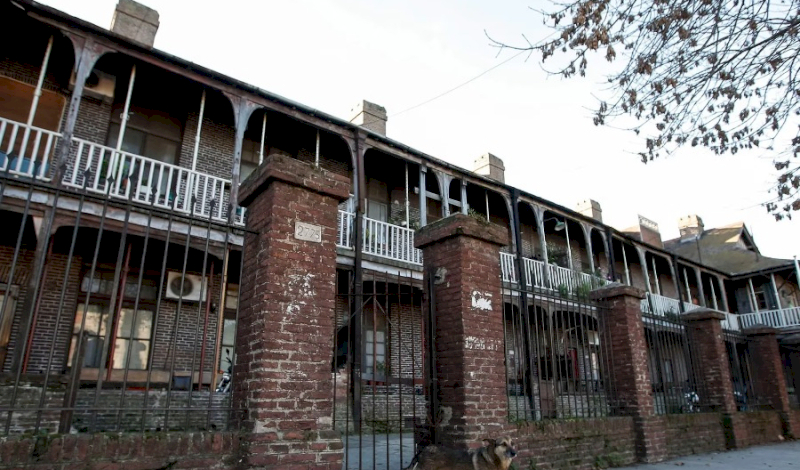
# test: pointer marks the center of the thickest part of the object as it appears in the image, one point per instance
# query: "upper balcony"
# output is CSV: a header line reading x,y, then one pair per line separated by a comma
x,y
29,151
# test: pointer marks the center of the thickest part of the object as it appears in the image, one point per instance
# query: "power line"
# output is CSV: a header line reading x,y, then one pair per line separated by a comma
x,y
440,95
458,86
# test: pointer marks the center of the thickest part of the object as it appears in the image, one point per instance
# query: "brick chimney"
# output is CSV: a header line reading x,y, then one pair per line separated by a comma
x,y
650,232
369,116
590,208
690,226
136,22
490,166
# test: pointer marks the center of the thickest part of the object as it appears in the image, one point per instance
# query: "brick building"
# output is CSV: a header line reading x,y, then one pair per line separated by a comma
x,y
127,242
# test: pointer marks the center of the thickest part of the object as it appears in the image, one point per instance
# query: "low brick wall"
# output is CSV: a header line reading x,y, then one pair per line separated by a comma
x,y
694,433
758,427
576,445
111,451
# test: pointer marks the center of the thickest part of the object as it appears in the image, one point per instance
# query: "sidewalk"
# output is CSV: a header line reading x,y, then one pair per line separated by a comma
x,y
777,456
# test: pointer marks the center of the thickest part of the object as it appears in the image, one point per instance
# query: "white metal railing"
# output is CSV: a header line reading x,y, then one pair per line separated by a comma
x,y
780,318
24,149
562,279
379,238
731,322
655,304
344,232
534,272
151,181
507,267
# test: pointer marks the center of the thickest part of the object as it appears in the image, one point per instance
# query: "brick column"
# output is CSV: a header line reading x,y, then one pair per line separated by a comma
x,y
463,255
282,378
768,379
704,328
630,374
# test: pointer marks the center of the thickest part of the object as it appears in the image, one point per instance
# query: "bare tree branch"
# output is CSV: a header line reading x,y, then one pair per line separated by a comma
x,y
720,74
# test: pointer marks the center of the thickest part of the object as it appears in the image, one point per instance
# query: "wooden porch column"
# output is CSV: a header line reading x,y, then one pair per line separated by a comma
x,y
643,262
587,235
700,291
539,212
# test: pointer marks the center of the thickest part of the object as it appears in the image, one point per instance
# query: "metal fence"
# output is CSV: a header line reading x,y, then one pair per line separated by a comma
x,y
744,393
114,315
378,368
673,366
557,356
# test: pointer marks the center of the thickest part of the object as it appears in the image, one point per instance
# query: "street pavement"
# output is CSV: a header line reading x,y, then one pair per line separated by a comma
x,y
785,455
388,451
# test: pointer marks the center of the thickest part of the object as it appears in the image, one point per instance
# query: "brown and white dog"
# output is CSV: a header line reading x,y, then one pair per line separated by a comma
x,y
496,454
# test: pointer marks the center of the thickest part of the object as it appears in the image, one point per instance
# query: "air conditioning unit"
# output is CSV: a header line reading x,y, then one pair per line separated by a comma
x,y
189,289
98,85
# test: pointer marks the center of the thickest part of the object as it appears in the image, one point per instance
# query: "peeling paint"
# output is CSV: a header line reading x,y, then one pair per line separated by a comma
x,y
481,300
481,344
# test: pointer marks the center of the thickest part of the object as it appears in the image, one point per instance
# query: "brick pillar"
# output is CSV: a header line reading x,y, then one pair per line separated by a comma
x,y
704,328
282,378
630,374
463,254
768,379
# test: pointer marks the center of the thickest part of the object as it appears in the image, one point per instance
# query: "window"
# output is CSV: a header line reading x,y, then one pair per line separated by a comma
x,y
141,142
8,295
228,340
133,329
761,298
250,158
377,210
375,365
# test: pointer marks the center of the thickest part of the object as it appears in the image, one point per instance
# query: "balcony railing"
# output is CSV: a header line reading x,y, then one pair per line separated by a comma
x,y
655,304
780,318
25,149
380,239
561,279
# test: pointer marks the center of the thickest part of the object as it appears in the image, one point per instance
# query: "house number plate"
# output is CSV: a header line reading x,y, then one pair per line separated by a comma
x,y
308,232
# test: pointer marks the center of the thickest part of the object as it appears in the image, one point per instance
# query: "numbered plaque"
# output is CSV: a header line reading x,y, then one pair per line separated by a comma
x,y
308,232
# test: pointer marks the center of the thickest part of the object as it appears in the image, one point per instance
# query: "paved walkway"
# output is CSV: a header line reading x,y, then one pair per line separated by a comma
x,y
386,452
776,456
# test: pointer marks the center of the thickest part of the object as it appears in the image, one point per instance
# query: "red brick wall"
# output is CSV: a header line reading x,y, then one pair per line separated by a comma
x,y
201,451
469,326
756,428
585,444
694,433
286,317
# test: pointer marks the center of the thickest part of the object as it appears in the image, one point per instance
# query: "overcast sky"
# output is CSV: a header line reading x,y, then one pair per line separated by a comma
x,y
330,54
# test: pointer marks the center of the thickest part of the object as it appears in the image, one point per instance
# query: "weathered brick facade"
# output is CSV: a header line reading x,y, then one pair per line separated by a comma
x,y
768,374
463,255
630,374
287,316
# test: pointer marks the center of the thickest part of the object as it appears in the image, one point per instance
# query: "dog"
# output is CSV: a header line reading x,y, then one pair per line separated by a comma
x,y
496,454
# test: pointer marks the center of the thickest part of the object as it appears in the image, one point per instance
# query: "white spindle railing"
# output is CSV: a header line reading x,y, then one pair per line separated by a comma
x,y
23,148
509,273
165,185
534,271
781,318
561,279
660,305
390,241
344,232
731,322
379,238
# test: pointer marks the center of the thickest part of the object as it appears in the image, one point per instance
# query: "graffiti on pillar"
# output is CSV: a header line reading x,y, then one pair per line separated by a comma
x,y
481,300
